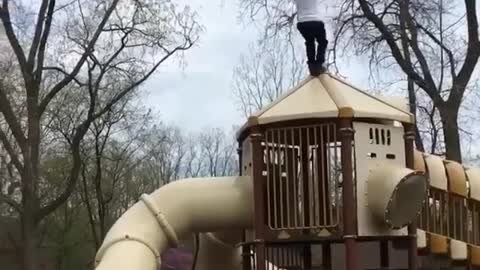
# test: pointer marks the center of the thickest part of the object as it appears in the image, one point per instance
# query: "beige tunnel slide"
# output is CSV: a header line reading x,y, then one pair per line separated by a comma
x,y
224,205
173,212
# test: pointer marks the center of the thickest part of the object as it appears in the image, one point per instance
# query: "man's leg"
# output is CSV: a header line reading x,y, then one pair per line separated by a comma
x,y
306,31
321,37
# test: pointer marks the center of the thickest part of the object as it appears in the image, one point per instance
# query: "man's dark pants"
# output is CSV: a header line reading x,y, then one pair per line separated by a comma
x,y
314,31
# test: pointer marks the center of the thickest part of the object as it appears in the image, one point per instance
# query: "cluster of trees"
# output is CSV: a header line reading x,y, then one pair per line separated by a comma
x,y
124,155
76,147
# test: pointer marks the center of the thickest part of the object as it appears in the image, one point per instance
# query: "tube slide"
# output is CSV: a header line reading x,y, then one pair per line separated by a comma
x,y
175,211
219,251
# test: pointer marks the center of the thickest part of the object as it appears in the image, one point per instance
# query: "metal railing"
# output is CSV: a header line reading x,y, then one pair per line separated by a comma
x,y
302,175
452,216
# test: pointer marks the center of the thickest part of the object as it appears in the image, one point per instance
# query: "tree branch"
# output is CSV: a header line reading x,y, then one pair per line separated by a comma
x,y
11,152
473,52
43,41
37,35
449,53
71,182
11,202
405,14
396,52
13,40
88,50
64,73
12,121
137,83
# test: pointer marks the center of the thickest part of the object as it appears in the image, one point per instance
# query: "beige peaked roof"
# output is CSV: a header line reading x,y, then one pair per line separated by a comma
x,y
327,96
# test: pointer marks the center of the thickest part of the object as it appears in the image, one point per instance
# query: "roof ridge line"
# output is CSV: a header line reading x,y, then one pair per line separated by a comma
x,y
369,95
284,96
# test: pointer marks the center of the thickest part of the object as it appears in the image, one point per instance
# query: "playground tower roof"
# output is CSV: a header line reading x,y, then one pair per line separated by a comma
x,y
328,96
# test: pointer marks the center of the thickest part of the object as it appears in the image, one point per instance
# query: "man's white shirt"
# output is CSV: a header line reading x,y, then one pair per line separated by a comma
x,y
308,10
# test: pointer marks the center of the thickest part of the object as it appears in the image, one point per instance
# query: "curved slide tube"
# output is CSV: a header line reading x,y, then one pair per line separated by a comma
x,y
219,251
173,212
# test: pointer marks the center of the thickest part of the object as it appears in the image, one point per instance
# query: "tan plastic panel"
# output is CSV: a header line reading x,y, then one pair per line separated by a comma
x,y
365,164
247,157
438,244
421,239
473,175
475,255
399,102
419,162
457,181
436,172
363,104
309,101
458,250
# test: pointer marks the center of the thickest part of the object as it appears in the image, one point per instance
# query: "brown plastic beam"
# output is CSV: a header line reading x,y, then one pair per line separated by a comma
x,y
259,199
349,202
412,228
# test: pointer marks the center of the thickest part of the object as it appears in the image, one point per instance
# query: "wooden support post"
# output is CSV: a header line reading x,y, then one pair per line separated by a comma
x,y
349,201
259,198
240,158
384,254
327,256
412,228
307,257
247,255
304,151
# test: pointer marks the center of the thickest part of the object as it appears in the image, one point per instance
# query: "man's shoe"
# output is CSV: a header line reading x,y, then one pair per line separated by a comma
x,y
316,69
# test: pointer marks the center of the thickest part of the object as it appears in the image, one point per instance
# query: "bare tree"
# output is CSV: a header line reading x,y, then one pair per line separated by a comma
x,y
98,48
431,128
164,164
269,69
111,151
219,153
194,163
425,41
433,44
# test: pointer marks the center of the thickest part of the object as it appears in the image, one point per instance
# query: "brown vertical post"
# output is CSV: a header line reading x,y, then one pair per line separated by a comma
x,y
327,256
259,198
307,257
240,164
307,252
409,138
349,201
246,254
384,254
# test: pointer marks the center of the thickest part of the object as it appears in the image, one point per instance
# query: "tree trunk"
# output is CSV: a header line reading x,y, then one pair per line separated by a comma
x,y
449,115
29,239
412,101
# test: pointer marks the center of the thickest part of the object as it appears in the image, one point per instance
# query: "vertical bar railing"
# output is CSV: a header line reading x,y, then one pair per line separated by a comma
x,y
300,164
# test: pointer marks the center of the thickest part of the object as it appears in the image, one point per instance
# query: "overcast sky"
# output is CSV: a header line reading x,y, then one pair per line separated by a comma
x,y
200,95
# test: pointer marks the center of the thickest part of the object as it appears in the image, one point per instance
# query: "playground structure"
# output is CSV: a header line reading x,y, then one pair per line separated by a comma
x,y
325,165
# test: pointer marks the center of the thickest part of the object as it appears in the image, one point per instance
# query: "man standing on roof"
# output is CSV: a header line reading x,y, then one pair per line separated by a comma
x,y
312,28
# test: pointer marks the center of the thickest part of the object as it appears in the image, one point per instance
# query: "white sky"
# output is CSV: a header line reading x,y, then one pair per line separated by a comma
x,y
200,96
